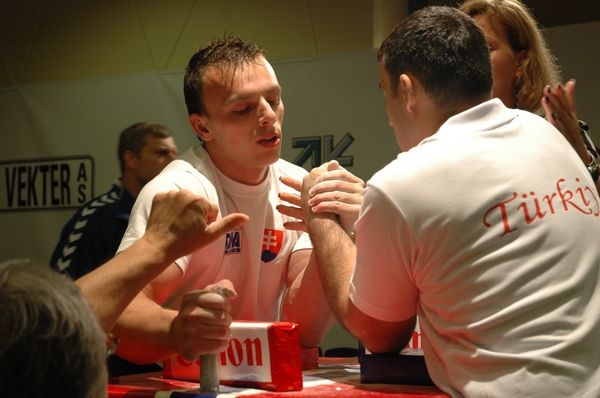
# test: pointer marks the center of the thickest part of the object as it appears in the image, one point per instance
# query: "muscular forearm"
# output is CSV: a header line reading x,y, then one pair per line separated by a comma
x,y
112,286
305,303
335,257
144,331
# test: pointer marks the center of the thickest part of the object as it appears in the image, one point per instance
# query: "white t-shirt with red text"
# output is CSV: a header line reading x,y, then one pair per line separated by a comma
x,y
489,231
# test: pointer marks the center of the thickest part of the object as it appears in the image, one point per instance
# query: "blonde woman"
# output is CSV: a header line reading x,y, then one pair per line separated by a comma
x,y
525,72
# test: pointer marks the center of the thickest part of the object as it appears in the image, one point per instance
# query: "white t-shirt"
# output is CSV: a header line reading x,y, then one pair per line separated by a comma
x,y
488,231
254,257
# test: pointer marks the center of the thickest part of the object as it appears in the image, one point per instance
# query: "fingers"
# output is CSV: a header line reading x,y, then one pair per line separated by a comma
x,y
561,100
203,324
199,338
328,189
340,174
293,199
207,299
337,180
569,89
333,201
226,224
294,212
223,287
333,165
291,182
559,105
181,222
296,226
291,211
335,190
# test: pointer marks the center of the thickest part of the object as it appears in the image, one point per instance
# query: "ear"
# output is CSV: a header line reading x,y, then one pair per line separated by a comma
x,y
522,58
407,89
200,125
130,159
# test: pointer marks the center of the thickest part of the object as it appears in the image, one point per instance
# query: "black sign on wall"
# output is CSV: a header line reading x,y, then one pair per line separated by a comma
x,y
320,150
48,183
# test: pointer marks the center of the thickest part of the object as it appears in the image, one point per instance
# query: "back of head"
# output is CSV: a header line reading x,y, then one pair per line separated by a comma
x,y
523,32
50,342
228,53
133,138
445,51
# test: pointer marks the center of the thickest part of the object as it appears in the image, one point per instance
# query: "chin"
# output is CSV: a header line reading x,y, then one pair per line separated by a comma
x,y
271,157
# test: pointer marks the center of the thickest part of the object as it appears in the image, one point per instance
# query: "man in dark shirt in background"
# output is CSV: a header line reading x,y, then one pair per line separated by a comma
x,y
92,236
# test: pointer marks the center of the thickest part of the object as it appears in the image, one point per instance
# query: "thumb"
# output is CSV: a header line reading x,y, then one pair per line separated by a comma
x,y
333,165
227,223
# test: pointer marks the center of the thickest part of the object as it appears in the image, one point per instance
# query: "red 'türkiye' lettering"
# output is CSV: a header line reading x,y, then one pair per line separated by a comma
x,y
533,207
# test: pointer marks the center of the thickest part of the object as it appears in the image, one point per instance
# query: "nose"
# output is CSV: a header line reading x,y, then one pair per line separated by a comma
x,y
266,113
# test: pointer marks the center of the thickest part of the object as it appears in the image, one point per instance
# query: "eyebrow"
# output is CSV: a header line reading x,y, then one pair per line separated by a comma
x,y
244,96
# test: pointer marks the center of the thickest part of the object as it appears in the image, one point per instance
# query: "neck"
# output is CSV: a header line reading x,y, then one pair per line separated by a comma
x,y
429,121
247,176
131,185
236,170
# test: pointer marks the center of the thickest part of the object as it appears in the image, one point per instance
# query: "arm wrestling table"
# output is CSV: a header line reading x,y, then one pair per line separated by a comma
x,y
335,377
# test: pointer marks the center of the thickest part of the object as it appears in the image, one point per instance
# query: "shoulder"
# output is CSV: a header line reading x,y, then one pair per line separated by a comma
x,y
180,174
177,175
103,202
406,166
283,167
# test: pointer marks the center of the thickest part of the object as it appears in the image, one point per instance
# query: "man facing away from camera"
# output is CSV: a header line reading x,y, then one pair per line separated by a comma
x,y
485,226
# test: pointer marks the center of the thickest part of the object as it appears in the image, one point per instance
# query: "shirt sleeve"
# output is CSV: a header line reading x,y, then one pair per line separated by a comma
x,y
303,242
171,179
383,284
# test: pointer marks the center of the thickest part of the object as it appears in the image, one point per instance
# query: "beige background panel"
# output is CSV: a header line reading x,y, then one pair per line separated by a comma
x,y
72,39
74,73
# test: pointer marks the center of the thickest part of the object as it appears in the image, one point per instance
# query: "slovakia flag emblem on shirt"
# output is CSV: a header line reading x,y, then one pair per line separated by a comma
x,y
272,240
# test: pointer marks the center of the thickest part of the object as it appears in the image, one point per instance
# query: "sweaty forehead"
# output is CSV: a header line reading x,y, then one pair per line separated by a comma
x,y
243,79
226,73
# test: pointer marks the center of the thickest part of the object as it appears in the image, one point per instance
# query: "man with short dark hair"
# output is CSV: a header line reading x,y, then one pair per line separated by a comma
x,y
92,235
235,108
485,226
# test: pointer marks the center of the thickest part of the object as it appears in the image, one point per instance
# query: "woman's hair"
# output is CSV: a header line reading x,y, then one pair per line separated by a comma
x,y
51,344
524,33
